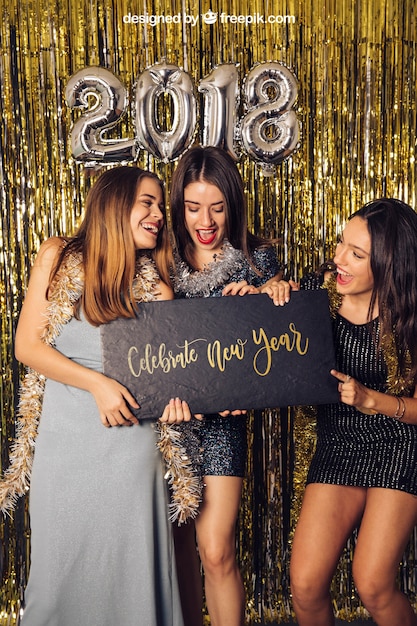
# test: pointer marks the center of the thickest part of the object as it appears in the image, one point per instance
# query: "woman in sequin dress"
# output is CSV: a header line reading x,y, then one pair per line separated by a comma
x,y
216,255
101,542
364,471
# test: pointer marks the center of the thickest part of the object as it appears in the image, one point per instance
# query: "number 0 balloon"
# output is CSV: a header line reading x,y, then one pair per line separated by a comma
x,y
152,84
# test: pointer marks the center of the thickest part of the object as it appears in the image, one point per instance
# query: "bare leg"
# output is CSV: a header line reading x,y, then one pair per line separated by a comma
x,y
388,520
328,515
215,526
189,574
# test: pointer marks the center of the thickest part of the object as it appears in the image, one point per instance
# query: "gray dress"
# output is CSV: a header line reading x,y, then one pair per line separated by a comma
x,y
101,546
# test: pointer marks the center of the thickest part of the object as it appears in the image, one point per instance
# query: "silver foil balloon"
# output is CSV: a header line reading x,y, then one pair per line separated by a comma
x,y
270,128
104,98
156,82
221,102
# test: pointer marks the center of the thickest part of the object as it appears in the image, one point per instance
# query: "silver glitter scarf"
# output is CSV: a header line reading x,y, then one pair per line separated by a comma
x,y
197,284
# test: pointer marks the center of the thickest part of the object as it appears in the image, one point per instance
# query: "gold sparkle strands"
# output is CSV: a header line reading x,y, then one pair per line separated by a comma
x,y
395,383
186,485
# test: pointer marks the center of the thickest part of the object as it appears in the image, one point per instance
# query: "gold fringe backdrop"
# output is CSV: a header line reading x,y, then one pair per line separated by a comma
x,y
355,66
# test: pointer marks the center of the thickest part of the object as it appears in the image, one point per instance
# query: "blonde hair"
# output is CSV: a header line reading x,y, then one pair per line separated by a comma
x,y
105,241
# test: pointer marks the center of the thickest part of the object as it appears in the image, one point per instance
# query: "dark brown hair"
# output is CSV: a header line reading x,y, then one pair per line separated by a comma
x,y
215,166
392,225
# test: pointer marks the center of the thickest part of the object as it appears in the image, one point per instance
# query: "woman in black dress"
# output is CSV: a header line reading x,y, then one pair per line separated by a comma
x,y
215,256
364,471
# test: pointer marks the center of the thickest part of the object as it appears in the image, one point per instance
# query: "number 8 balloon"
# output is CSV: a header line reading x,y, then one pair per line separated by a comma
x,y
270,130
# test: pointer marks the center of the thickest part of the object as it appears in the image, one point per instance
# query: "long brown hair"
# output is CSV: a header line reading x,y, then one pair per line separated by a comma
x,y
392,225
215,166
105,241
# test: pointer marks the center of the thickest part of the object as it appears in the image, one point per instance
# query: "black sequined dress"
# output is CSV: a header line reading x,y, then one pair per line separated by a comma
x,y
354,448
224,440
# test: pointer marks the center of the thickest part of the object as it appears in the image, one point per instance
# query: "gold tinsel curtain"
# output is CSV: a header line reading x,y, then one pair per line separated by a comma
x,y
355,64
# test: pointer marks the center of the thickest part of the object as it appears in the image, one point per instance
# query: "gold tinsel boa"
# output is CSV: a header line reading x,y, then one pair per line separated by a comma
x,y
184,479
64,293
396,384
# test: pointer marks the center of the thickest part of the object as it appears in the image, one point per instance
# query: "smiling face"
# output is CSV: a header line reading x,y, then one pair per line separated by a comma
x,y
146,218
353,260
205,217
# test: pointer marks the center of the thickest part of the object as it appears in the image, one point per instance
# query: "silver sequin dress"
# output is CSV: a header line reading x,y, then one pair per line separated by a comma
x,y
224,440
354,448
102,552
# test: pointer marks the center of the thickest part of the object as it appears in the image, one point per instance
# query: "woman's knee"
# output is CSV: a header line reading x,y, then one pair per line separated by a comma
x,y
307,587
374,589
217,556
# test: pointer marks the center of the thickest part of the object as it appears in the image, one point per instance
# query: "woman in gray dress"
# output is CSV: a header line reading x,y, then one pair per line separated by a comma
x,y
101,545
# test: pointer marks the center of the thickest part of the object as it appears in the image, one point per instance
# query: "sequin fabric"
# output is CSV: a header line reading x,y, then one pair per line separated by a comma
x,y
354,448
223,440
230,266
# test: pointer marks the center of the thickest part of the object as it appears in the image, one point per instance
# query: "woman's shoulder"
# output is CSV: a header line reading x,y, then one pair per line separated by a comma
x,y
265,257
49,251
314,280
263,251
164,291
51,246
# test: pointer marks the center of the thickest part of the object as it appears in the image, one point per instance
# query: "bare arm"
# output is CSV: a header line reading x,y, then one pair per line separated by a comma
x,y
366,400
112,398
